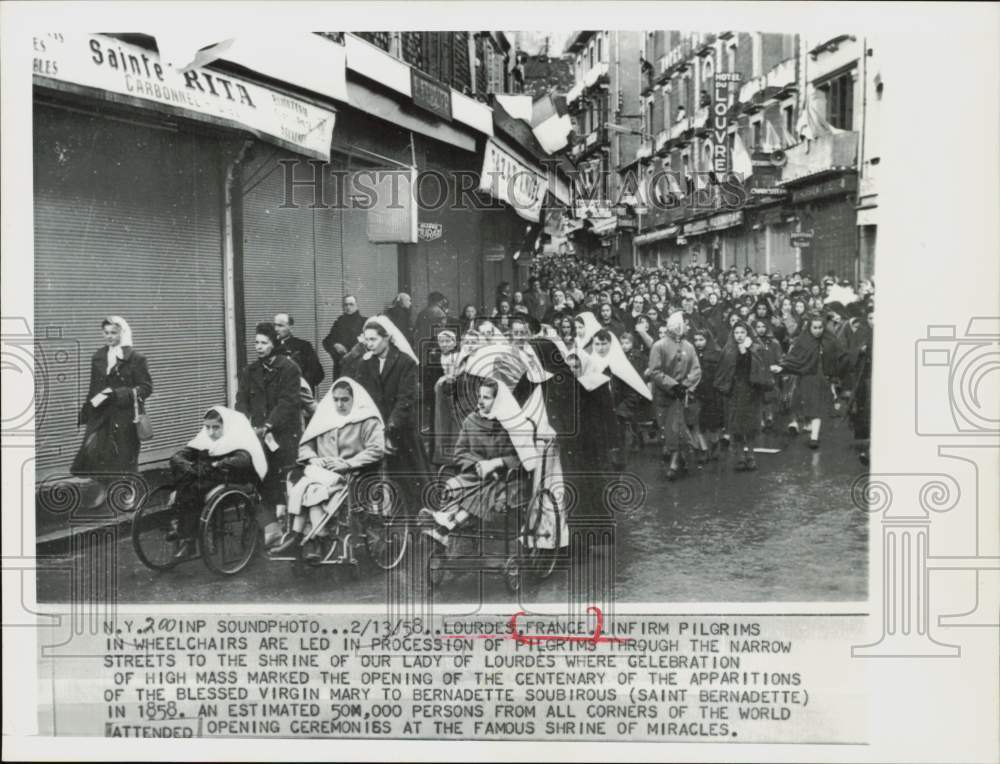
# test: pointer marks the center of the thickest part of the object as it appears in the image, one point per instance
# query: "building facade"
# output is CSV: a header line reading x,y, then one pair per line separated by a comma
x,y
755,149
274,190
604,103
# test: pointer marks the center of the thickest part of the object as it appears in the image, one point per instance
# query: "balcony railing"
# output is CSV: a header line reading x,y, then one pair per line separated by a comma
x,y
779,76
661,140
829,152
590,78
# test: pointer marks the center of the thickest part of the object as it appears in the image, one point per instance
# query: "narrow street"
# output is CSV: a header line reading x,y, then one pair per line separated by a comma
x,y
788,532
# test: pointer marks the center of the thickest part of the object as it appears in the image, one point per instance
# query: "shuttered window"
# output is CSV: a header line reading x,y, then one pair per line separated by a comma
x,y
127,221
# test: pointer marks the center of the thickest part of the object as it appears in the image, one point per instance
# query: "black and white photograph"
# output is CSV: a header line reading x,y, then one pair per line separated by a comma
x,y
374,377
506,302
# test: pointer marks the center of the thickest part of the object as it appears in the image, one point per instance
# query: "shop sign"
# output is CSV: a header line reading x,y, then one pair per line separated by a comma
x,y
430,94
801,239
429,231
507,178
494,253
695,228
725,220
845,184
121,72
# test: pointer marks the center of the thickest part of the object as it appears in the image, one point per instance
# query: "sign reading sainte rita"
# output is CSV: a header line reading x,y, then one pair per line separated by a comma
x,y
116,68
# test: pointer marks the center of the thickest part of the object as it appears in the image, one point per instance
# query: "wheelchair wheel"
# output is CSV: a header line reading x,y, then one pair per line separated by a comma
x,y
385,528
541,561
151,523
228,536
512,575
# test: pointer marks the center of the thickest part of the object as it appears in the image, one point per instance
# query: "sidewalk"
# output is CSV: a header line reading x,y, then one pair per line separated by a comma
x,y
66,506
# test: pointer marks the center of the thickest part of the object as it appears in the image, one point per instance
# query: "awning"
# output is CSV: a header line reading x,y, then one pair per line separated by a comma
x,y
653,236
604,226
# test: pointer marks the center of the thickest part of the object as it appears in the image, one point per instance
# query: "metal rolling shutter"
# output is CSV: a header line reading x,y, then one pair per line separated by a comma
x,y
279,249
293,259
127,221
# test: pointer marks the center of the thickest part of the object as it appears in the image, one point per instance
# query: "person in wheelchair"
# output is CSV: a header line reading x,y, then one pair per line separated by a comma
x,y
345,434
495,438
226,450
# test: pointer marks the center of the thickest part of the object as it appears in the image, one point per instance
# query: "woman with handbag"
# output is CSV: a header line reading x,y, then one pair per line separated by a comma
x,y
113,412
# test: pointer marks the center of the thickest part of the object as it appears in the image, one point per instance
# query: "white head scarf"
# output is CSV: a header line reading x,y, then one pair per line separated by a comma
x,y
589,378
675,325
237,433
116,353
518,426
326,417
591,326
395,337
621,367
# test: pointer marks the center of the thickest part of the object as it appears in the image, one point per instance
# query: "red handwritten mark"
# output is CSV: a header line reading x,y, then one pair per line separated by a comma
x,y
537,639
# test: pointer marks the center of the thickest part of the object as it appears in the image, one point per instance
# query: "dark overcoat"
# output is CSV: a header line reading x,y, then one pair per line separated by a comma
x,y
110,443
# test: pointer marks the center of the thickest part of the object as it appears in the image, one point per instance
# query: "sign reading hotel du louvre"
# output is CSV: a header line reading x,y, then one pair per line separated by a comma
x,y
121,72
507,178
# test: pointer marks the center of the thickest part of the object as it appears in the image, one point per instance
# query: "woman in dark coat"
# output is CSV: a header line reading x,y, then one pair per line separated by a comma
x,y
815,357
772,355
118,377
268,395
743,378
388,371
708,400
586,451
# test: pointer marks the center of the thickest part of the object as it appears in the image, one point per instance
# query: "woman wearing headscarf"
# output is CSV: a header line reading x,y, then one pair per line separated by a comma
x,y
119,384
743,378
388,372
225,450
713,312
815,358
628,389
709,400
269,395
674,372
772,355
557,309
496,436
345,434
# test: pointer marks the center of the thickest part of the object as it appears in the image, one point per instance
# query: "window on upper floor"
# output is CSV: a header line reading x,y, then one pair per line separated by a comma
x,y
731,57
591,49
600,48
758,133
788,115
839,97
757,54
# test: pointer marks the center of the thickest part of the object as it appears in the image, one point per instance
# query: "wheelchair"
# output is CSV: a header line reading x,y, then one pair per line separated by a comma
x,y
529,551
226,539
371,516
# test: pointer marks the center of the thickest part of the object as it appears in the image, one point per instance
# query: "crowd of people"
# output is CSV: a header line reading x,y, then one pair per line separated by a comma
x,y
591,358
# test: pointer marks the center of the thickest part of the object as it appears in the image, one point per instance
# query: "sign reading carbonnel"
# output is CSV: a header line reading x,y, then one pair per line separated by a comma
x,y
115,68
507,178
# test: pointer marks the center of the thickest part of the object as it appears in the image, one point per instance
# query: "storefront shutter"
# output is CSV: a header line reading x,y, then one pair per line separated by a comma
x,y
128,222
292,260
370,270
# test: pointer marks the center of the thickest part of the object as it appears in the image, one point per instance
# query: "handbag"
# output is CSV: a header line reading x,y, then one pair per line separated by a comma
x,y
143,427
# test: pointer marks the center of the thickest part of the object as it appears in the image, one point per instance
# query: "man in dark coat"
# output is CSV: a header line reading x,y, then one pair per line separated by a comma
x,y
536,300
390,378
344,333
299,350
400,314
268,395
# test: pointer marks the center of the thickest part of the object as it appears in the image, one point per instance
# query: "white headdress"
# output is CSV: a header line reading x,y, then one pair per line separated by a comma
x,y
395,336
327,418
237,433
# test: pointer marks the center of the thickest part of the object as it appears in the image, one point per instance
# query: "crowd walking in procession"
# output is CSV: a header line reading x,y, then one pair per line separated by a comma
x,y
562,387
